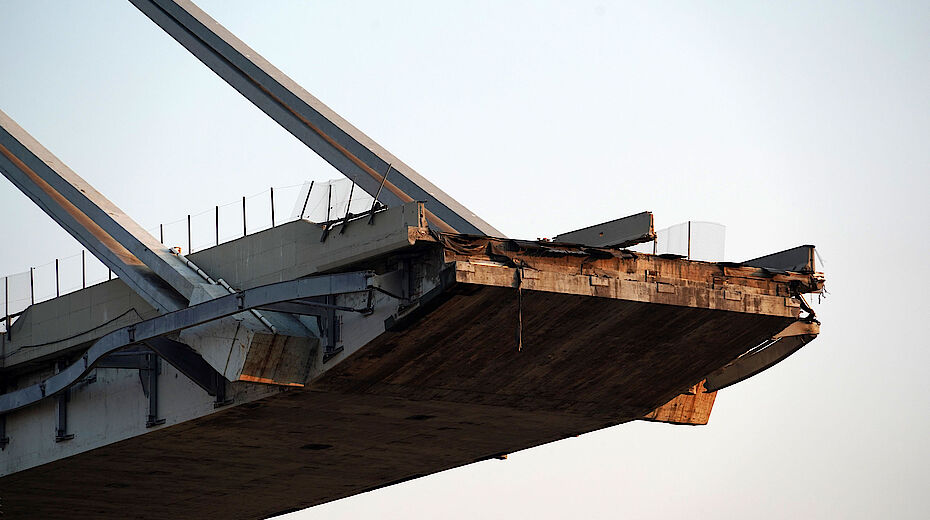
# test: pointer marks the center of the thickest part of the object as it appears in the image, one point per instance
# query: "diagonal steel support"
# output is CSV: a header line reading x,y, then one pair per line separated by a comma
x,y
186,361
147,266
342,145
182,357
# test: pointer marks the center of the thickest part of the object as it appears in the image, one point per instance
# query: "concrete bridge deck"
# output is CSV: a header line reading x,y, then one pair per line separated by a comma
x,y
501,345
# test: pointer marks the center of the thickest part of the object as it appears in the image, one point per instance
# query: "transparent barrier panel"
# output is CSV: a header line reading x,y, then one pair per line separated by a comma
x,y
96,271
175,234
285,199
17,294
258,212
673,240
230,221
70,274
329,200
46,286
708,241
696,240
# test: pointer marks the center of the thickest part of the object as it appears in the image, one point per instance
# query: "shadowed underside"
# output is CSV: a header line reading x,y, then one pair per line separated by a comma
x,y
449,389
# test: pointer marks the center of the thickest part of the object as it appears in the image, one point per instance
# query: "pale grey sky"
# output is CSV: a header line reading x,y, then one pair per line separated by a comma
x,y
790,122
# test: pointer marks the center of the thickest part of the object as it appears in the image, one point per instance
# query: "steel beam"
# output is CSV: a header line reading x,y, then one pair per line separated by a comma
x,y
623,232
143,263
4,440
142,332
342,145
61,413
186,361
797,259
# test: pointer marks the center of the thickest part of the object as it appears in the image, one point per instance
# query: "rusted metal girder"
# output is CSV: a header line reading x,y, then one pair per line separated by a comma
x,y
147,266
350,151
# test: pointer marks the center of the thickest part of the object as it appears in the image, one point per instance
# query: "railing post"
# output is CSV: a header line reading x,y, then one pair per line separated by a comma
x,y
306,200
189,250
57,283
345,221
217,225
689,240
161,233
6,302
32,286
329,201
272,206
83,271
244,232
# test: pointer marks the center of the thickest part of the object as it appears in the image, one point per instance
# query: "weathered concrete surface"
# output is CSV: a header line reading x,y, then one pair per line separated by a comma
x,y
411,403
72,320
295,249
286,252
110,405
444,386
692,407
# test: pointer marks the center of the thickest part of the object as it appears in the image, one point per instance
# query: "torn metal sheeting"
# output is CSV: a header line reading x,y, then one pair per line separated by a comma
x,y
623,232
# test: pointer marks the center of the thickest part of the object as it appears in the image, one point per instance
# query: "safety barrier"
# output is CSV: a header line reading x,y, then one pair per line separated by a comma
x,y
314,201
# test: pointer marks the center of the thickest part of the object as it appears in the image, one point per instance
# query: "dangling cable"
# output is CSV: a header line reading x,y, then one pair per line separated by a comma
x,y
519,308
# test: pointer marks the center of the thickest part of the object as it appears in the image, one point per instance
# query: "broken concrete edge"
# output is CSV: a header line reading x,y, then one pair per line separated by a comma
x,y
625,275
692,407
522,253
513,263
489,262
527,264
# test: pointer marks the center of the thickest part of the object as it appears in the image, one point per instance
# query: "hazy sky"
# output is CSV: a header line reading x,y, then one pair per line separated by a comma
x,y
790,122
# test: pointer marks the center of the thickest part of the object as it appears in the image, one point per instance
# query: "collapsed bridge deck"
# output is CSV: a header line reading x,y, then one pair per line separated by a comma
x,y
499,346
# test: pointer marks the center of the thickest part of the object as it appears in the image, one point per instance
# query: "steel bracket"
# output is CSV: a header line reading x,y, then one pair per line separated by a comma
x,y
150,374
4,440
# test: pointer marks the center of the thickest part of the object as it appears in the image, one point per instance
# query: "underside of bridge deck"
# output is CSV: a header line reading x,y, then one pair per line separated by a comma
x,y
497,359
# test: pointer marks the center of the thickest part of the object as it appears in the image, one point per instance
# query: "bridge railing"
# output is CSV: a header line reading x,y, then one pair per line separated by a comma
x,y
314,201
